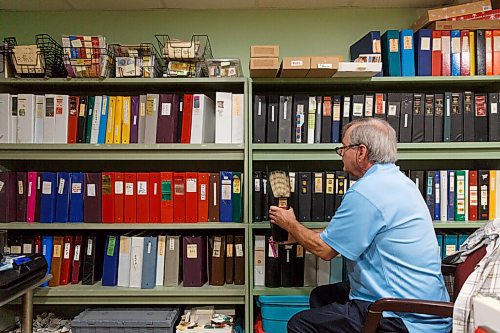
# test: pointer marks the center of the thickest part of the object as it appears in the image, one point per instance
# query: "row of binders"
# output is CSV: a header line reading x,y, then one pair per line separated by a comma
x,y
139,260
460,195
416,117
314,196
433,52
449,242
149,119
121,197
291,266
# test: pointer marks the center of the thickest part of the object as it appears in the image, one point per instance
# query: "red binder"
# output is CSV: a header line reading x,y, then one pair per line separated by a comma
x,y
191,197
187,112
119,190
154,197
496,52
446,53
142,197
108,197
203,188
67,260
473,195
179,197
77,258
167,197
38,244
489,51
130,199
465,53
437,55
74,102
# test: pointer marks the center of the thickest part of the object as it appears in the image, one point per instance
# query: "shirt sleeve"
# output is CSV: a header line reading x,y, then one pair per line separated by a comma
x,y
354,226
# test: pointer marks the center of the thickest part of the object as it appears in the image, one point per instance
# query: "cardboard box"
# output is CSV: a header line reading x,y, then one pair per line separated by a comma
x,y
358,69
264,51
295,66
467,25
264,67
324,66
444,13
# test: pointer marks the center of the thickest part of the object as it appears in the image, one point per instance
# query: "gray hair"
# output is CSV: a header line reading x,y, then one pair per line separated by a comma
x,y
377,135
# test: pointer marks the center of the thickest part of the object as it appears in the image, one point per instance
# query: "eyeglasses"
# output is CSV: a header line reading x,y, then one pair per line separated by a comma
x,y
341,150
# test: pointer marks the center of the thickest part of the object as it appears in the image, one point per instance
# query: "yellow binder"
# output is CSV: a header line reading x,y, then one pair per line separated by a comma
x,y
111,120
117,134
126,119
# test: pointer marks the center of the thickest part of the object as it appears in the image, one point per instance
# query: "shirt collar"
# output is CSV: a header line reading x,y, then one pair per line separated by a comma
x,y
379,166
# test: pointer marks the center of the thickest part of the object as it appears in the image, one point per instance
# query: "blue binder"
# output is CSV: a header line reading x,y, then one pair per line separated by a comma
x,y
337,100
101,138
450,245
423,52
440,244
110,262
148,280
368,44
455,52
451,195
391,55
76,197
226,190
407,52
48,197
62,197
461,239
47,244
437,194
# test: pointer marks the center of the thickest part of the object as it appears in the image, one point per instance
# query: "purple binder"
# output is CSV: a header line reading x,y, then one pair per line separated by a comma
x,y
194,261
92,201
8,206
134,121
168,114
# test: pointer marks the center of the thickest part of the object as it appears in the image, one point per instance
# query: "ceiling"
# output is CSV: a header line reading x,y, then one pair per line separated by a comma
x,y
62,5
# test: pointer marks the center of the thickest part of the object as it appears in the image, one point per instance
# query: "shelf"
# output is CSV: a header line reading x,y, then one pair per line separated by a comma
x,y
143,152
459,225
120,226
310,225
97,294
406,151
258,291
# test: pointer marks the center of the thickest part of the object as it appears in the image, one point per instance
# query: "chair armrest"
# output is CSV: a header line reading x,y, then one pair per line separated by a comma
x,y
448,269
441,309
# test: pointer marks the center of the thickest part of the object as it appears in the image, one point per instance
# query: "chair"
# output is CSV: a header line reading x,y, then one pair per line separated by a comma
x,y
441,309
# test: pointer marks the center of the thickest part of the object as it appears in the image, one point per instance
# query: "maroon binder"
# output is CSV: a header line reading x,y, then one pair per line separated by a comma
x,y
194,261
92,202
239,260
8,206
214,198
217,262
168,114
22,197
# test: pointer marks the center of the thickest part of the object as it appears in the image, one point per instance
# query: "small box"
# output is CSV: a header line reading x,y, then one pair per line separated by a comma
x,y
358,69
467,25
295,66
264,51
444,13
277,310
323,66
264,67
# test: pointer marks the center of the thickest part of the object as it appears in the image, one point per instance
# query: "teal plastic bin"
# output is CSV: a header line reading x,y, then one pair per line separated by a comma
x,y
276,311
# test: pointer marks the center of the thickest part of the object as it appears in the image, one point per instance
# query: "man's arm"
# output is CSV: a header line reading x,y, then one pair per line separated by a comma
x,y
309,239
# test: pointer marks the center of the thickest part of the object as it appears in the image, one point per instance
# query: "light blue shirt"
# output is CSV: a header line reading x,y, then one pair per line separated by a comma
x,y
384,229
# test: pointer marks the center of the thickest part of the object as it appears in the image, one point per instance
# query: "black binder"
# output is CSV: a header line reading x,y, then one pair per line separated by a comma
x,y
294,192
273,267
272,119
318,118
483,185
329,195
259,119
92,260
457,118
304,197
340,187
429,190
394,110
429,118
481,117
318,197
469,116
406,120
286,119
300,111
326,121
81,131
447,117
287,259
257,196
358,106
265,198
298,280
418,178
346,114
438,117
480,52
493,126
417,132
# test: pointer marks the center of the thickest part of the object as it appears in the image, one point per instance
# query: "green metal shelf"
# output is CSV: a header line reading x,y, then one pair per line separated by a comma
x,y
146,152
121,226
258,291
310,225
437,225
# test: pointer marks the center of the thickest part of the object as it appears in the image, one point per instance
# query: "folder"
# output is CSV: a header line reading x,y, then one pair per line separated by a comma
x,y
285,119
346,114
437,195
62,197
304,196
318,119
160,260
318,197
39,120
226,191
446,53
187,113
430,195
265,197
194,261
237,199
358,105
179,118
82,120
429,118
423,52
223,115
108,197
134,119
327,120
481,117
45,127
31,196
141,127
110,262
126,119
76,260
25,118
329,195
151,118
217,262
457,195
418,118
143,195
203,120
391,56
455,52
272,265
298,269
168,115
492,202
488,36
191,197
239,260
203,194
167,199
154,190
90,116
483,184
238,119
336,119
457,118
47,247
443,194
5,118
406,120
67,258
380,106
77,180
62,116
439,118
93,198
173,262
179,181
103,121
272,119
136,261
394,110
257,196
55,267
287,260
130,198
119,194
300,113
437,55
21,198
493,126
259,119
469,115
368,107
118,121
96,120
48,197
229,267
310,267
323,276
418,178
148,279
465,53
124,261
214,198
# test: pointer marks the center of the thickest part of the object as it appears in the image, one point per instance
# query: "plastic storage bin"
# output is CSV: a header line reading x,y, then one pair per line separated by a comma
x,y
126,320
276,311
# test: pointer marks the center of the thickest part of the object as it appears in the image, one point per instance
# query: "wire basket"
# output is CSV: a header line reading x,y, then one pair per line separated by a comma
x,y
185,58
141,60
88,57
42,59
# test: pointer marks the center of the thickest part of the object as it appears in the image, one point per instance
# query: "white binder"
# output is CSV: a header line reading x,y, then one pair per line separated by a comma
x,y
49,119
203,120
160,260
223,115
136,255
151,122
25,118
124,261
5,116
96,119
238,119
62,113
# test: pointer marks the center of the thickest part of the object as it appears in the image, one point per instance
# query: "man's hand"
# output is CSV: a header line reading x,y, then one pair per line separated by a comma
x,y
284,218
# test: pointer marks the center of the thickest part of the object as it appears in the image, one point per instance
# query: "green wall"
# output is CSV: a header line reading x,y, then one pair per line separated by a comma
x,y
231,32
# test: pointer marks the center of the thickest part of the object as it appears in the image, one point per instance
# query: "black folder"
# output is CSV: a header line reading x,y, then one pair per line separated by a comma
x,y
429,118
298,278
259,119
81,131
286,119
358,106
272,265
326,121
493,126
480,52
418,178
394,110
92,260
406,120
417,132
318,197
287,261
438,117
257,196
481,117
300,112
304,196
346,114
272,119
265,198
457,118
469,116
294,192
340,187
329,195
